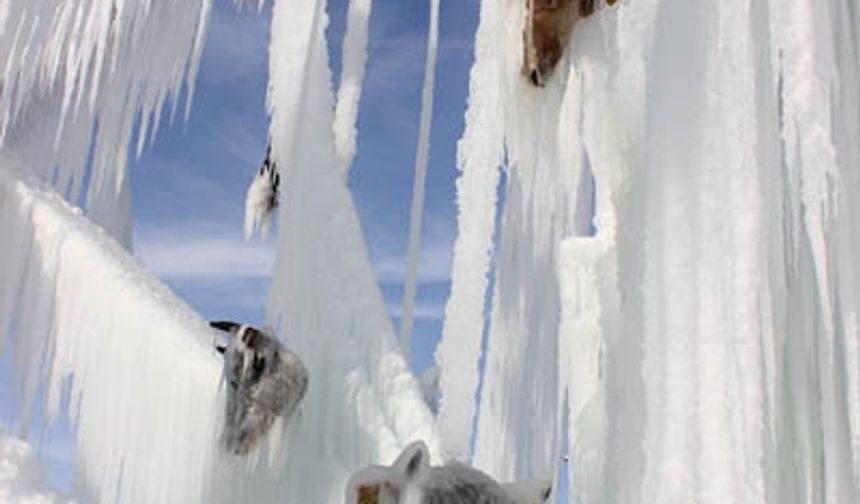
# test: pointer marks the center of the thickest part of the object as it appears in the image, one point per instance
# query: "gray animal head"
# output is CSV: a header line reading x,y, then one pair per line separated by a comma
x,y
411,480
264,381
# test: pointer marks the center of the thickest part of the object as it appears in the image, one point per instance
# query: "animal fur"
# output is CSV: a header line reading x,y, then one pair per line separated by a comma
x,y
411,480
549,25
264,381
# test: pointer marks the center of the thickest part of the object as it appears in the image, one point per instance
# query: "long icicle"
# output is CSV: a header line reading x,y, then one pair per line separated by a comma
x,y
352,74
421,155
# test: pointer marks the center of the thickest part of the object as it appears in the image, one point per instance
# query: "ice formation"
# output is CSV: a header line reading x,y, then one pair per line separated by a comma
x,y
410,283
325,295
96,335
354,57
262,198
412,480
674,305
80,76
104,340
676,262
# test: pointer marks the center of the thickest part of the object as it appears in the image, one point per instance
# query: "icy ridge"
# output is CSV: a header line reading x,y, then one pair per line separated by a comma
x,y
132,364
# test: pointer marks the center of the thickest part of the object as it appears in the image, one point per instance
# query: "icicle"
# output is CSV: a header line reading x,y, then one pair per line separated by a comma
x,y
71,64
354,56
421,154
103,337
480,157
363,404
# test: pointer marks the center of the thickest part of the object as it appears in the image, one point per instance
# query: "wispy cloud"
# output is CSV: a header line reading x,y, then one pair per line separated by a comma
x,y
211,251
237,47
434,266
189,252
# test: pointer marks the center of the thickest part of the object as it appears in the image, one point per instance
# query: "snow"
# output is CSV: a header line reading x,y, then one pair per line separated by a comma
x,y
21,476
81,76
410,283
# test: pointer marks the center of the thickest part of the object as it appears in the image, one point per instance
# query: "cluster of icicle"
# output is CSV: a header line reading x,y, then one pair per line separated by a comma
x,y
80,76
97,336
676,291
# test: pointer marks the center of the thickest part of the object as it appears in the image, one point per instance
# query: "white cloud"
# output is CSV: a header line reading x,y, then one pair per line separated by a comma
x,y
434,265
205,251
188,253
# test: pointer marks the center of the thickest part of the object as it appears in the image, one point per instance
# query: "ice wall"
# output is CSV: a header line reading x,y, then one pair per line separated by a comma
x,y
676,259
96,336
81,76
363,404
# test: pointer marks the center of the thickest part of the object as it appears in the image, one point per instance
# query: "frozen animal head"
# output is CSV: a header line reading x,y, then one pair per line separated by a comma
x,y
264,381
549,25
388,485
411,480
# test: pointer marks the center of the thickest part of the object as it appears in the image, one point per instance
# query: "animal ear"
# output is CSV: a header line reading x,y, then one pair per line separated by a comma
x,y
415,463
226,325
413,459
547,492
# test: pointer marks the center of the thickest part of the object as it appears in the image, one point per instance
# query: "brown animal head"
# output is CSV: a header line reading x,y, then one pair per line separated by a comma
x,y
549,25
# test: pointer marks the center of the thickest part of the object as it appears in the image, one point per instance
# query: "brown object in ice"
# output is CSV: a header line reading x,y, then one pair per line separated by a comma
x,y
368,494
548,27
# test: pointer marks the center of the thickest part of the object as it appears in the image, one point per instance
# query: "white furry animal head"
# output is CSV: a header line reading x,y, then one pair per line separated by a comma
x,y
262,197
412,480
264,381
387,485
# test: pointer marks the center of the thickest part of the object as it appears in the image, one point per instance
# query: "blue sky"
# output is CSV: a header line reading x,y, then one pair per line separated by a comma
x,y
189,185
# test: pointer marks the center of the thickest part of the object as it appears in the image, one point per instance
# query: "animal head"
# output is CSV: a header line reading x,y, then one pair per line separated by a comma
x,y
549,25
386,485
536,491
250,353
548,28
